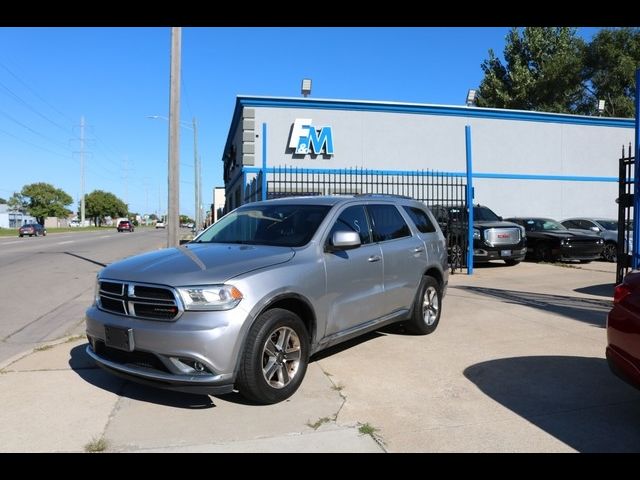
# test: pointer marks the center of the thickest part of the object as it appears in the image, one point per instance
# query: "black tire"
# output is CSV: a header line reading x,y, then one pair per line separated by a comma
x,y
427,307
543,253
44,233
512,263
455,257
21,236
272,328
610,252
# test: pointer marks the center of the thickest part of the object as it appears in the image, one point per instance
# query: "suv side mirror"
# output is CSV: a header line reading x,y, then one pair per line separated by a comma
x,y
344,241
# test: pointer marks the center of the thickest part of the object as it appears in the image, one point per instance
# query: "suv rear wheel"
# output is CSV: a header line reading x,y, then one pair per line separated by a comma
x,y
426,308
275,357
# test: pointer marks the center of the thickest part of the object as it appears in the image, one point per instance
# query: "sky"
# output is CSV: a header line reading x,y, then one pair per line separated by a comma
x,y
115,78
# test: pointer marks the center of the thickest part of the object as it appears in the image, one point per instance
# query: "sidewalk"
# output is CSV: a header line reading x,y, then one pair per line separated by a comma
x,y
56,400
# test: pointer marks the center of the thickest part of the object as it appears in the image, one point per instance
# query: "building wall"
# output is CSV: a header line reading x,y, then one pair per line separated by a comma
x,y
529,164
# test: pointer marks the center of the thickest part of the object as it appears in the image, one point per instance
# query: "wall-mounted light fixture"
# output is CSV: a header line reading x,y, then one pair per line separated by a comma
x,y
471,97
306,87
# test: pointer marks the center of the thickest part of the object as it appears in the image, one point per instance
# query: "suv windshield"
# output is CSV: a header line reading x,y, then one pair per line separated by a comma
x,y
282,225
485,214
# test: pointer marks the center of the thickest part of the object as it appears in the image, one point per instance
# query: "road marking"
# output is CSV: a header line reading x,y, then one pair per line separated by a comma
x,y
68,241
105,236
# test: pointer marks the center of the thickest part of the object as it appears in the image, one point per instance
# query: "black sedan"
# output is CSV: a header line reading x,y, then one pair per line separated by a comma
x,y
32,229
549,240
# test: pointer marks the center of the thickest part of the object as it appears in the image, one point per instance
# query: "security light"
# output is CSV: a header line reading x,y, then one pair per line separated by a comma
x,y
600,106
306,87
471,97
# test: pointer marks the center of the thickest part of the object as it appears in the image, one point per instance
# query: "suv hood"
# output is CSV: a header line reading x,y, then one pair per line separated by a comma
x,y
564,234
196,264
494,224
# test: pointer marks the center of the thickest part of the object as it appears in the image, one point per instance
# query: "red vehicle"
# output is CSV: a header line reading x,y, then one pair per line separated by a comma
x,y
125,225
623,330
32,229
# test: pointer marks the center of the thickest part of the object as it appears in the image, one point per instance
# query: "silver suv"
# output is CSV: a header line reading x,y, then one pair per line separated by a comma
x,y
248,301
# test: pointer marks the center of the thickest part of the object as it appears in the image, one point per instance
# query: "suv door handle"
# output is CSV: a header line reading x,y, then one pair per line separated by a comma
x,y
374,258
418,250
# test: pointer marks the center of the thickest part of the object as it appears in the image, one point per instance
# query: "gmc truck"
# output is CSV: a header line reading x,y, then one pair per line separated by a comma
x,y
493,238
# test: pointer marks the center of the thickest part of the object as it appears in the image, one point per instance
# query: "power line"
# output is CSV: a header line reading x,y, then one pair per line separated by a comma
x,y
34,110
36,93
33,144
30,129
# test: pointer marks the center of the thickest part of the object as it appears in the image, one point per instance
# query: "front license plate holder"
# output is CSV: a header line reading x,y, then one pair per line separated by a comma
x,y
505,253
120,338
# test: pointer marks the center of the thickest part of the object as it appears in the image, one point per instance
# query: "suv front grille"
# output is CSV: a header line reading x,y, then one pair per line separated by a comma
x,y
503,236
139,300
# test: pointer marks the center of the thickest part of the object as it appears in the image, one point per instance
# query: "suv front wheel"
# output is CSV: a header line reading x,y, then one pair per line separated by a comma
x,y
427,307
275,357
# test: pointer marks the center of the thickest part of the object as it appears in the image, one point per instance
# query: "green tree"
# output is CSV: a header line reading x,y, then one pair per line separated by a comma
x,y
44,200
17,203
185,219
99,204
610,63
3,201
543,71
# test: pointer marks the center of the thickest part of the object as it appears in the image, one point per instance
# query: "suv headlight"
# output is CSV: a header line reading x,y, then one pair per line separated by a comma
x,y
96,291
210,297
476,234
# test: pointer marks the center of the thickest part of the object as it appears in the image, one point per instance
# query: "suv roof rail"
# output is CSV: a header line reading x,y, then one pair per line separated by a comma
x,y
393,195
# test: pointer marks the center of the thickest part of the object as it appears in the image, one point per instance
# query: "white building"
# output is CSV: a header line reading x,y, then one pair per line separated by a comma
x,y
523,163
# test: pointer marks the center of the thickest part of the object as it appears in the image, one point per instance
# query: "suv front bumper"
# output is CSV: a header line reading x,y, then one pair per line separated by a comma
x,y
196,354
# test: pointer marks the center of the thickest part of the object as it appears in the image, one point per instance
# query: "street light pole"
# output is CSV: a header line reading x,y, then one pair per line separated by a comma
x,y
196,177
173,204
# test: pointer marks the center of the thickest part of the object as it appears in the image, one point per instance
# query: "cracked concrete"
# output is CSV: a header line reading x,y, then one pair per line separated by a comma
x,y
516,365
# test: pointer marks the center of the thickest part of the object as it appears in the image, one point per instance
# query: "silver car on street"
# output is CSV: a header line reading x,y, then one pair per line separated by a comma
x,y
246,303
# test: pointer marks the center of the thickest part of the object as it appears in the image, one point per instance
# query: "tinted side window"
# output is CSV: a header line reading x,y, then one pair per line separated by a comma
x,y
387,223
571,224
421,219
352,219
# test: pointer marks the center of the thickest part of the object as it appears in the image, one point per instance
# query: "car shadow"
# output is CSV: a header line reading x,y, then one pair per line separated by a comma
x,y
588,310
86,368
575,399
601,290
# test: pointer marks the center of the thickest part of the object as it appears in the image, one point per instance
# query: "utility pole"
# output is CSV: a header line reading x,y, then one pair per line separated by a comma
x,y
200,216
82,171
196,192
126,183
173,206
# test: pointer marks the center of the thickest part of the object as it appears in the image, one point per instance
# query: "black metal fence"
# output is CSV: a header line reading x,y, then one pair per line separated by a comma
x,y
626,177
428,186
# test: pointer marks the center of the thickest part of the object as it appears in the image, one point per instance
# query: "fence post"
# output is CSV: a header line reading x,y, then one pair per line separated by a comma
x,y
263,187
467,138
636,182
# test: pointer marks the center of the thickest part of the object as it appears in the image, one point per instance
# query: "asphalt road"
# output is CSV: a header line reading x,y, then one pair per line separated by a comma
x,y
46,283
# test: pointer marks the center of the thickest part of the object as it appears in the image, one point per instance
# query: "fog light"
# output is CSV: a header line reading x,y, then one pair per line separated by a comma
x,y
198,367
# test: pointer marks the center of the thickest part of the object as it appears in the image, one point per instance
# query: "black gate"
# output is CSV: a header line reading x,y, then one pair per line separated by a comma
x,y
429,186
626,175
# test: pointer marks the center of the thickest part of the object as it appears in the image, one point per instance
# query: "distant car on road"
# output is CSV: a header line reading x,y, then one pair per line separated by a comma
x,y
125,225
623,330
32,229
159,224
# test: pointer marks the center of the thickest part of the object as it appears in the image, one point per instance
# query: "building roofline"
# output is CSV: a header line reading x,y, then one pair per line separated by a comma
x,y
420,109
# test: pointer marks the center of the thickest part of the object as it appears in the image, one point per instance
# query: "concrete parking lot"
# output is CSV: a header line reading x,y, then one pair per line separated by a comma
x,y
516,365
